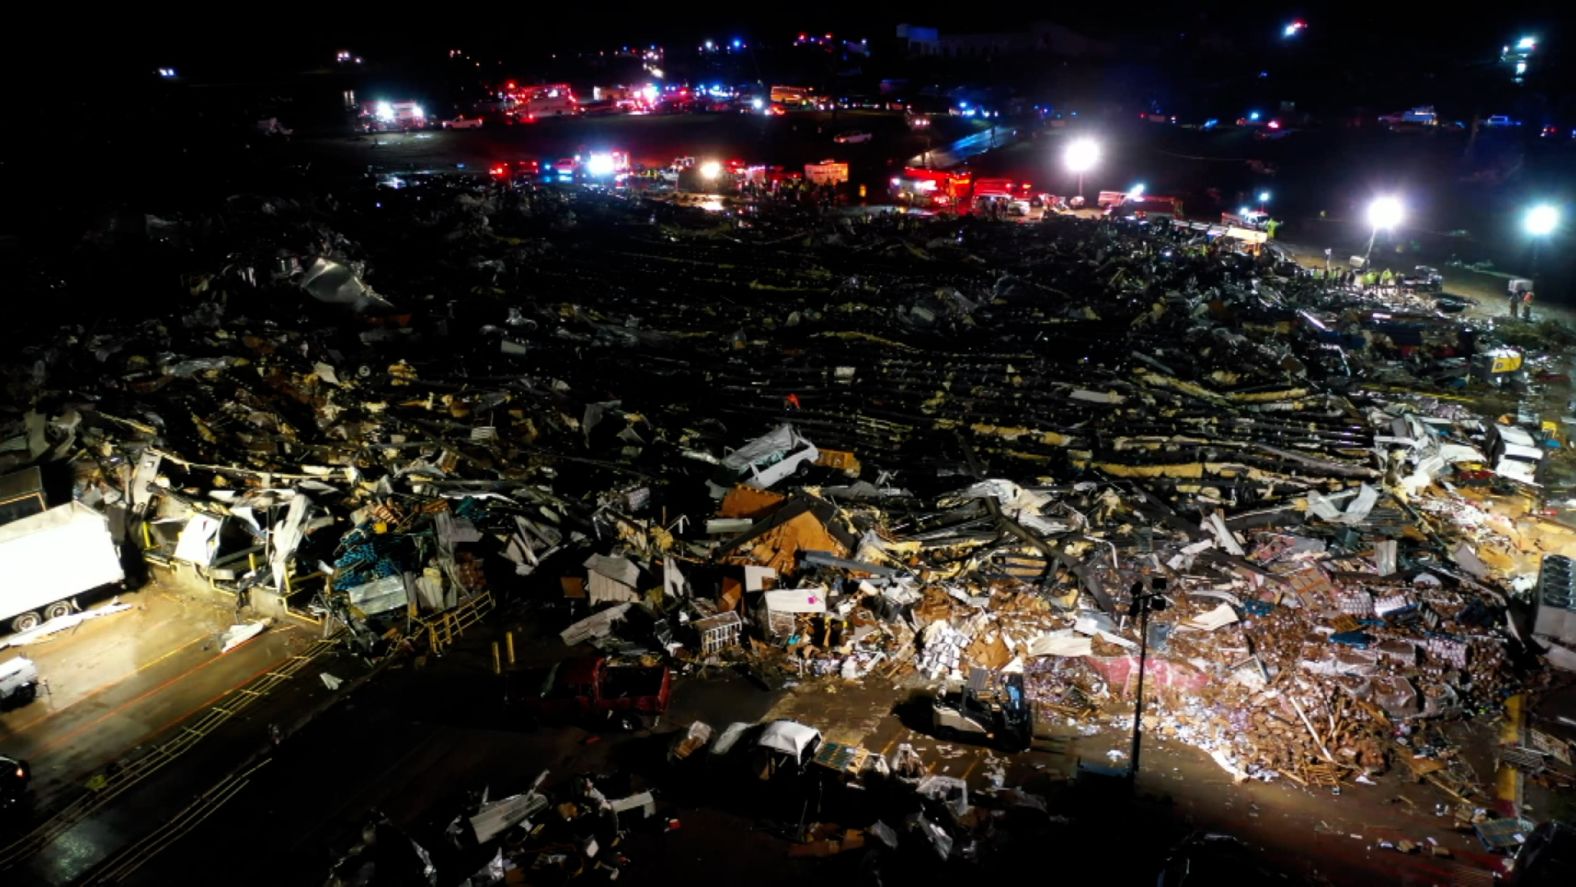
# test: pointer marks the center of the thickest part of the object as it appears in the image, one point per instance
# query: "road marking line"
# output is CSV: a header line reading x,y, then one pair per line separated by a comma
x,y
109,685
81,728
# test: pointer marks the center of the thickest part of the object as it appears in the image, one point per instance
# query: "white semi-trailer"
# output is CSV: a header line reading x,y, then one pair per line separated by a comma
x,y
48,559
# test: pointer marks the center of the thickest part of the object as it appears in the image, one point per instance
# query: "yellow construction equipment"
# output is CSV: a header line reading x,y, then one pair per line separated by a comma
x,y
842,460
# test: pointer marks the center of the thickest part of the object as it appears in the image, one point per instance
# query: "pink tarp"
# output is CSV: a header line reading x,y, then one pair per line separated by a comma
x,y
1158,672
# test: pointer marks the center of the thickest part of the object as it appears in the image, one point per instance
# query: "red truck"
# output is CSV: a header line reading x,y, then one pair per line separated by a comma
x,y
588,688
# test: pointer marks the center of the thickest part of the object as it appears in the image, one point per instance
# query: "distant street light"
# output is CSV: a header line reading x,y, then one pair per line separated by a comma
x,y
1082,155
1386,213
1540,221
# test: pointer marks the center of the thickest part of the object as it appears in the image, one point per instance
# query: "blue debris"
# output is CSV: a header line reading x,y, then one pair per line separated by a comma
x,y
1358,639
1258,608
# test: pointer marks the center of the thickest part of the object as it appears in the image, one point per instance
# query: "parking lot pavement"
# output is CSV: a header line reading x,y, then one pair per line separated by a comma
x,y
881,717
117,682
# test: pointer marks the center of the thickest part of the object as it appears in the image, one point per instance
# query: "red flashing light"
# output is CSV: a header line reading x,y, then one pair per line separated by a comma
x,y
509,85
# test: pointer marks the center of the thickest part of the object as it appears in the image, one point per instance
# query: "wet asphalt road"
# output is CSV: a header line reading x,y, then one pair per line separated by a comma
x,y
147,685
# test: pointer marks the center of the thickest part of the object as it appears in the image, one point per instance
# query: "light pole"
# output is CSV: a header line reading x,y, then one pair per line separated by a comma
x,y
1144,602
1264,199
1082,155
1384,212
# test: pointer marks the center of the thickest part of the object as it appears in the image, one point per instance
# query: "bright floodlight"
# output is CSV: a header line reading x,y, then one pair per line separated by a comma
x,y
600,164
1082,155
1385,213
1264,197
1136,191
385,111
1527,43
710,170
1541,220
757,104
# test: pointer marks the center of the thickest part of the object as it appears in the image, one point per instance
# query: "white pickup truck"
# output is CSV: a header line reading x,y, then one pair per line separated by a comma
x,y
764,461
18,682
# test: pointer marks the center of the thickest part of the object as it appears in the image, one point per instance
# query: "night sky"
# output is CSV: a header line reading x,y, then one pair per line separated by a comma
x,y
248,40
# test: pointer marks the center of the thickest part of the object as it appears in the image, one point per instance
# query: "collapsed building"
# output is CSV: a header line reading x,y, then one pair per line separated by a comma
x,y
842,448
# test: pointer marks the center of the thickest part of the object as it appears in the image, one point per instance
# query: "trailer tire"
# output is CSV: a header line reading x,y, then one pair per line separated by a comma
x,y
25,621
57,610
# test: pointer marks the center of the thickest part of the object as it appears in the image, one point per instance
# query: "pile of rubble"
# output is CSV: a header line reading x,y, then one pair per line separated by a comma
x,y
843,447
523,838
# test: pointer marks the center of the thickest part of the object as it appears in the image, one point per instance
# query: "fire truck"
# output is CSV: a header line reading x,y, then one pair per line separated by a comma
x,y
932,188
387,116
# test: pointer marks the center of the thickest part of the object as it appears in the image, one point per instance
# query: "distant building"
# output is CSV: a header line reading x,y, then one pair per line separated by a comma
x,y
919,40
1040,38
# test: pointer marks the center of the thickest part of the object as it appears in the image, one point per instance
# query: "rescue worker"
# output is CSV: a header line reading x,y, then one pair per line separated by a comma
x,y
1526,305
